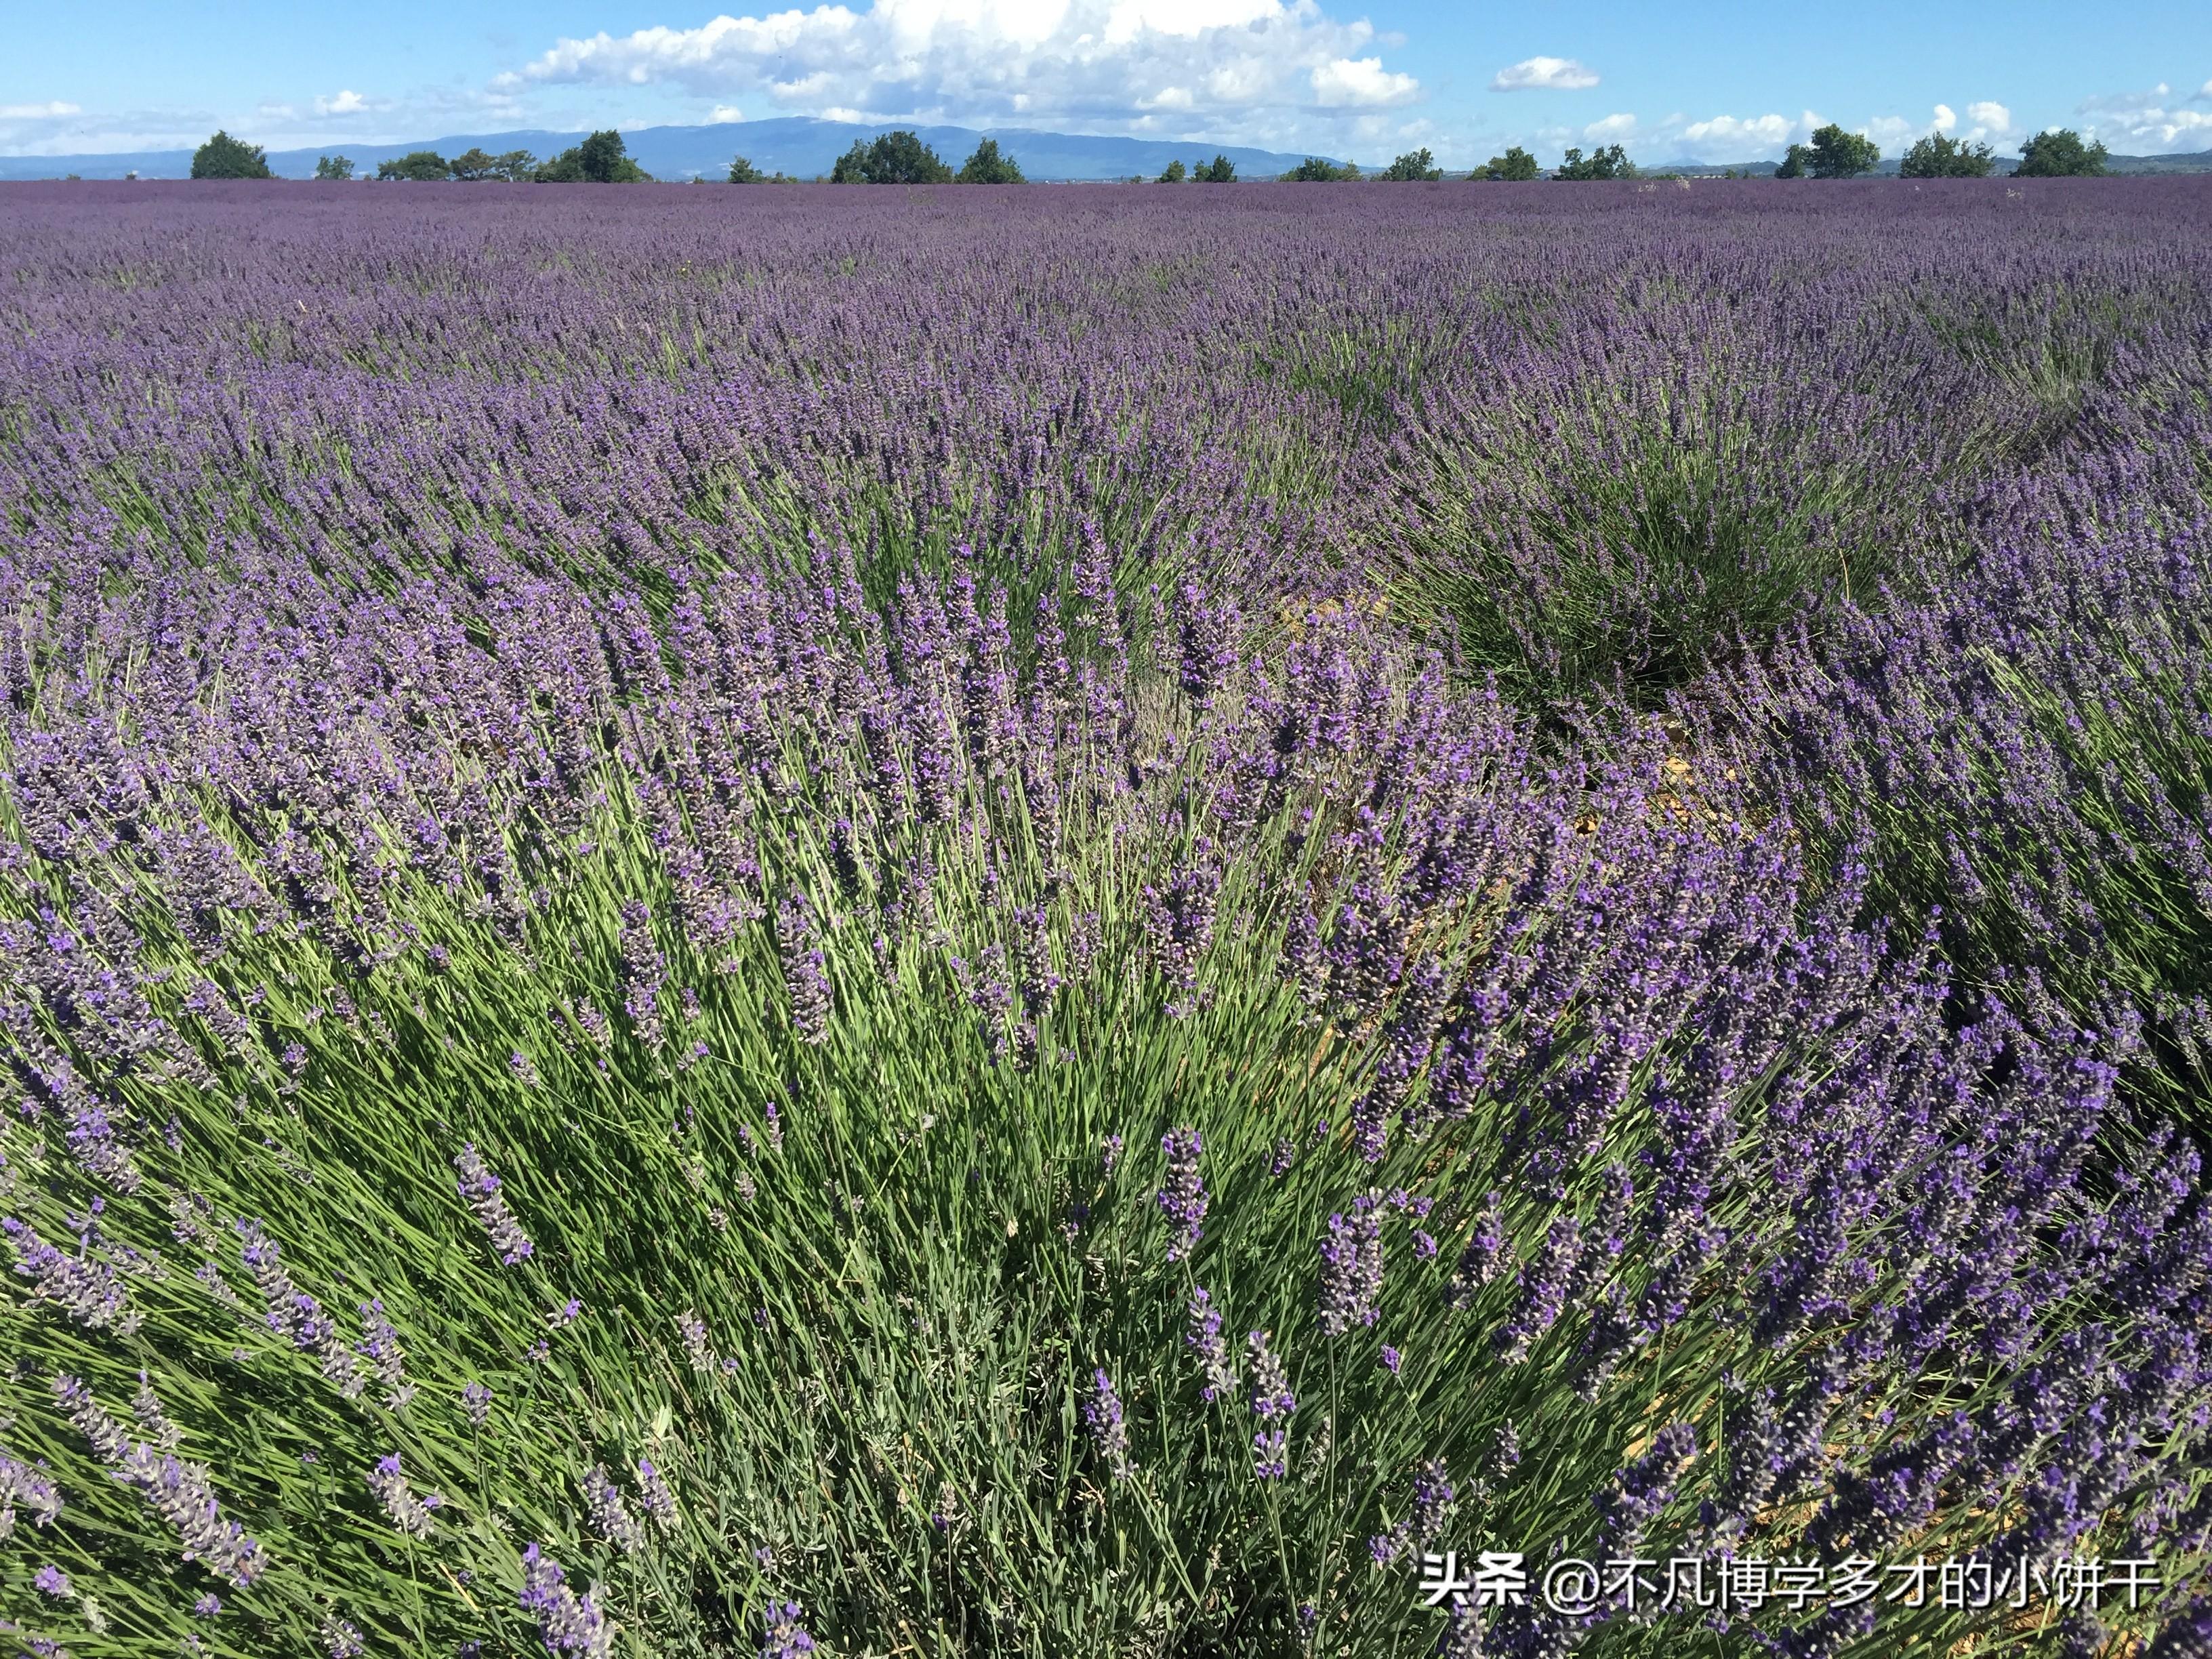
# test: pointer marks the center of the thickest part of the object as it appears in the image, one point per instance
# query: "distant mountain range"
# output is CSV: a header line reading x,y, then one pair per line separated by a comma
x,y
797,145
806,148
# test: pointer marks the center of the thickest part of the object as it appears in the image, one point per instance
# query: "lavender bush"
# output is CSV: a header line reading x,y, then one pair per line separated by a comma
x,y
638,798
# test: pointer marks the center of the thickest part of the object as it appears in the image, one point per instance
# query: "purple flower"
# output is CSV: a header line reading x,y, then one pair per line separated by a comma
x,y
475,1401
407,1512
805,974
88,1292
51,1580
1273,1403
181,1493
480,1190
567,1622
1203,1339
1182,1195
1352,1269
611,1516
782,1636
653,1491
1109,1434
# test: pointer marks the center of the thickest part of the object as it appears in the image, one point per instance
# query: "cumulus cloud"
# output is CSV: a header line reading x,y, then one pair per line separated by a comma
x,y
1612,129
1137,64
1890,132
1553,74
1365,82
1729,138
50,112
2146,121
724,113
1946,118
346,103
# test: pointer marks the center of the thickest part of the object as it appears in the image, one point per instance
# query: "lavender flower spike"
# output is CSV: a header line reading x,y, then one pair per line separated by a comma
x,y
1182,1194
1203,1339
479,1190
410,1514
21,1483
782,1636
567,1622
1109,1433
611,1516
1352,1269
182,1494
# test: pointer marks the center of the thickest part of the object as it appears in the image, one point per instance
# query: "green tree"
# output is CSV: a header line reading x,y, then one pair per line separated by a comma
x,y
894,158
328,167
225,157
1797,163
515,167
1611,162
1840,154
419,167
1173,173
1315,170
1938,156
2060,153
1412,166
601,159
1516,166
1219,170
475,164
987,167
743,172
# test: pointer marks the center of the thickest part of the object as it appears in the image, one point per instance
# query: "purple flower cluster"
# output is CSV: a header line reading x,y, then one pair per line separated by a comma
x,y
1352,1267
479,1190
1182,1196
1110,1431
181,1493
1273,1403
409,1513
568,1622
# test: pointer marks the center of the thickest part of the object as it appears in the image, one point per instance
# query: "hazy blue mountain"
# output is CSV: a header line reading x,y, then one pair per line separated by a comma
x,y
804,148
797,145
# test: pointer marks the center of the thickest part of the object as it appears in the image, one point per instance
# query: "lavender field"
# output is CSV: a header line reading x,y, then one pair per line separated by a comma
x,y
1056,921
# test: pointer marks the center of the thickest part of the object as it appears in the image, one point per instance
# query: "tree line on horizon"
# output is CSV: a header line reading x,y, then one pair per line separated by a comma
x,y
900,157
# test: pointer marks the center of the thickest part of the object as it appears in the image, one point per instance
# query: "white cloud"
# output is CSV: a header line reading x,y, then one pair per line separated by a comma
x,y
724,113
2204,91
2144,121
1553,74
346,103
1946,118
1106,63
52,112
1614,130
1363,82
1889,132
1725,137
1991,117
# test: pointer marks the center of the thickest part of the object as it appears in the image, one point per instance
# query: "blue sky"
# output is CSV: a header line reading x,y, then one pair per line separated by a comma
x,y
1690,81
